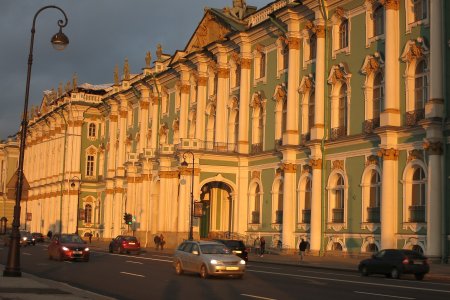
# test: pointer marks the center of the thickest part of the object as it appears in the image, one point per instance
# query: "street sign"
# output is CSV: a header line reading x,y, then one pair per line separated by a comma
x,y
29,216
198,209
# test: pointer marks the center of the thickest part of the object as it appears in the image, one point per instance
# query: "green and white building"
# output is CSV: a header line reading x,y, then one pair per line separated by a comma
x,y
321,120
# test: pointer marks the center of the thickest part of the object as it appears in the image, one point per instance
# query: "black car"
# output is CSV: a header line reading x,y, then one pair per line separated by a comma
x,y
236,246
395,262
38,237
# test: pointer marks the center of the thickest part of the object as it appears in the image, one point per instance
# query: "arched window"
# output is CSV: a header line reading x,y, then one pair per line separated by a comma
x,y
417,208
343,34
378,95
90,163
378,21
92,130
337,194
336,247
420,9
312,46
306,213
373,215
343,108
88,213
262,65
277,202
372,247
256,214
421,84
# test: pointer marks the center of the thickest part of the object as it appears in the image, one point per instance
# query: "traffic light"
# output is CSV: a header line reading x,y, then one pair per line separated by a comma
x,y
129,219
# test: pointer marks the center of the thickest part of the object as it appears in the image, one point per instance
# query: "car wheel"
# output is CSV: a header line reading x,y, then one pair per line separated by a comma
x,y
120,250
364,271
110,249
204,272
60,257
178,268
419,276
240,276
395,274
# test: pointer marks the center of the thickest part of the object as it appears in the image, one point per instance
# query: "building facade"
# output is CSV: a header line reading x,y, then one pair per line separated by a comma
x,y
321,120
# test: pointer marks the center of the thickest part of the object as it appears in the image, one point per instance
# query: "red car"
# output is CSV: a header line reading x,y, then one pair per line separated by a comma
x,y
125,243
68,247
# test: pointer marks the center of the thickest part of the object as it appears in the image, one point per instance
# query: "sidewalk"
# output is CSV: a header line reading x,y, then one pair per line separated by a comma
x,y
32,287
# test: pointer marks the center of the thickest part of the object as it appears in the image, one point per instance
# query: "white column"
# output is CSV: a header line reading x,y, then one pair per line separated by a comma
x,y
184,199
201,104
111,149
122,141
434,199
317,131
289,200
389,180
155,122
391,114
316,206
143,118
223,89
291,136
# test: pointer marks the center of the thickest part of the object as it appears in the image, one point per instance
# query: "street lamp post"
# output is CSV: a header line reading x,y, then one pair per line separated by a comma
x,y
72,185
191,216
59,42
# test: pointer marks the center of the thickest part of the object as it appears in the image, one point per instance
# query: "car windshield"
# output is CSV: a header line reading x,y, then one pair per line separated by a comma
x,y
214,249
130,238
71,239
234,244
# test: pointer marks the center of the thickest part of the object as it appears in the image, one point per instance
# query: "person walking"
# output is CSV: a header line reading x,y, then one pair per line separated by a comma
x,y
302,247
263,245
162,242
157,241
257,245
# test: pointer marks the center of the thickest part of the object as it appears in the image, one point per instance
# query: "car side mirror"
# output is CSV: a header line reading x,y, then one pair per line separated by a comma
x,y
195,252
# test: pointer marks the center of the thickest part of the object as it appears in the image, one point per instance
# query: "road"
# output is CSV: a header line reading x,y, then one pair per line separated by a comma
x,y
151,276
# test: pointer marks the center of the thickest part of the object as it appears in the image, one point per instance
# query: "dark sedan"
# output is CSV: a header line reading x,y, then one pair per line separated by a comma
x,y
38,237
237,247
395,262
68,247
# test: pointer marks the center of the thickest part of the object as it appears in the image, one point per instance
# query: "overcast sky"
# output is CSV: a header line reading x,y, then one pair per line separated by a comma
x,y
102,33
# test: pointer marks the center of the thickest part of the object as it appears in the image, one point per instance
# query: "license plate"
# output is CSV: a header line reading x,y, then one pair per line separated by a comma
x,y
232,268
418,263
237,251
77,252
131,243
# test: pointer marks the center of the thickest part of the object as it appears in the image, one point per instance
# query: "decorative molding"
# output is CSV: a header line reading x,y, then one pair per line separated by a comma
x,y
415,154
316,163
306,169
113,118
372,160
338,164
320,31
372,64
144,104
246,63
433,148
388,154
294,43
415,227
256,174
185,89
223,73
303,226
168,174
372,227
202,81
288,167
391,4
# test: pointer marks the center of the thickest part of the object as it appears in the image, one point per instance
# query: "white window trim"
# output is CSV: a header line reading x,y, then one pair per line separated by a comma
x,y
233,115
336,84
307,86
365,186
256,138
306,38
91,151
335,40
301,198
281,43
409,56
94,137
370,34
407,191
330,186
371,73
257,64
279,180
410,22
251,200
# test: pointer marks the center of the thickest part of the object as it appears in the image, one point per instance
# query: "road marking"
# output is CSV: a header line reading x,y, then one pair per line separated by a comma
x,y
351,281
163,256
134,262
132,274
26,253
67,261
140,257
383,295
252,266
257,297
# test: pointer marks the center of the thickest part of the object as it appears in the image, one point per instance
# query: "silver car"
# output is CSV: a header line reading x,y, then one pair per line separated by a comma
x,y
208,259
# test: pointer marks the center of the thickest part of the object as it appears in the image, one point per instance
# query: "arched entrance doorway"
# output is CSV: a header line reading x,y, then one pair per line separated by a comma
x,y
217,214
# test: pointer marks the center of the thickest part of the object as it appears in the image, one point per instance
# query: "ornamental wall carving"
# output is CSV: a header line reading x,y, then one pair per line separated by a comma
x,y
187,171
168,174
202,81
113,118
414,50
185,88
316,163
337,164
372,64
433,148
144,104
256,174
415,154
289,167
371,160
223,73
246,63
391,4
388,154
294,43
306,169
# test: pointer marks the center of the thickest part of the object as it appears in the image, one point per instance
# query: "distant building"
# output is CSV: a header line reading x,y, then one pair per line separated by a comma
x,y
327,124
9,157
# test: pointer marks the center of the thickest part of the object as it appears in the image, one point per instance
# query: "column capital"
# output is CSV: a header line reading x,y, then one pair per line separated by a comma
x,y
388,154
223,73
246,63
289,167
185,89
144,104
320,31
391,4
155,100
433,148
316,163
294,43
202,81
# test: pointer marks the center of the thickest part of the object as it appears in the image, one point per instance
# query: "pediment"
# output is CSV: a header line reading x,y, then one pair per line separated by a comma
x,y
210,29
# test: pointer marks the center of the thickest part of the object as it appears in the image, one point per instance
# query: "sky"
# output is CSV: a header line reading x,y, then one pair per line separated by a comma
x,y
102,33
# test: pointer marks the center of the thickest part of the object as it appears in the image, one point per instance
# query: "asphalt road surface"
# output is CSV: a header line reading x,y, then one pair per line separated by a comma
x,y
151,276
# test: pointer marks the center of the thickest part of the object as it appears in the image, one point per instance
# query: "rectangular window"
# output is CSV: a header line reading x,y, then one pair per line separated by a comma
x,y
262,65
420,10
90,166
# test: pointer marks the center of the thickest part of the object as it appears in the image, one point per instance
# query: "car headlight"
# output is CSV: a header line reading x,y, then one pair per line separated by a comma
x,y
86,249
242,262
64,248
214,262
24,238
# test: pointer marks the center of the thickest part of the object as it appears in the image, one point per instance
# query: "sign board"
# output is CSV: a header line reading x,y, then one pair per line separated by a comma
x,y
198,209
29,215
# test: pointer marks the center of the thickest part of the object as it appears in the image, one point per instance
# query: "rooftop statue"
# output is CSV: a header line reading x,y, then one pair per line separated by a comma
x,y
126,70
148,59
159,51
116,75
238,9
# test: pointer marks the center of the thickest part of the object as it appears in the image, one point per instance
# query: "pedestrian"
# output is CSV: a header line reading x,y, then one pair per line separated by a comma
x,y
157,241
263,246
257,245
49,234
302,247
90,237
162,242
279,244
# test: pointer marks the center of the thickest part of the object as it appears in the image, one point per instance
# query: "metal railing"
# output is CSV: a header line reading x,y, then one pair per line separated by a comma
x,y
413,117
373,214
416,213
371,124
338,132
255,217
338,215
306,216
256,148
